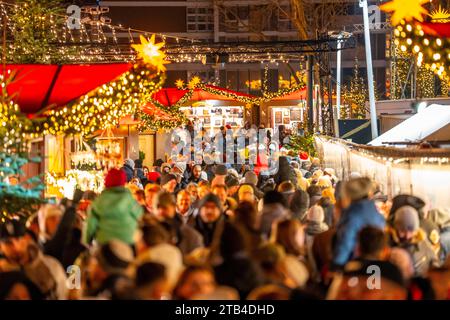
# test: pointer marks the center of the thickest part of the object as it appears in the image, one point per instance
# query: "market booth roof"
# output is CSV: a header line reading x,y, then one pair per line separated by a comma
x,y
170,96
36,86
432,123
296,95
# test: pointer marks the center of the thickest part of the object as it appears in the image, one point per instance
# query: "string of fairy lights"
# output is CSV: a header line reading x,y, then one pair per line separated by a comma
x,y
91,42
426,40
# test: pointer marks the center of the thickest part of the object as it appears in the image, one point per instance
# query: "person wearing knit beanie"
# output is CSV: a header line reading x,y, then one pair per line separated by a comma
x,y
315,220
114,207
115,178
408,235
209,218
406,221
115,256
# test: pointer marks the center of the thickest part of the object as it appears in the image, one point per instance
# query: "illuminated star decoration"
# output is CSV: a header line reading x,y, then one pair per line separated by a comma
x,y
440,15
195,81
179,83
151,53
405,10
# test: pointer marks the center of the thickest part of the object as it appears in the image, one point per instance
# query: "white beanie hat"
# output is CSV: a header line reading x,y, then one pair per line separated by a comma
x,y
316,214
204,176
45,212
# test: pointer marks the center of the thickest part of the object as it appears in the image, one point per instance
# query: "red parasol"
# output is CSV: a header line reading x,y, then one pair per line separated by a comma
x,y
39,86
436,29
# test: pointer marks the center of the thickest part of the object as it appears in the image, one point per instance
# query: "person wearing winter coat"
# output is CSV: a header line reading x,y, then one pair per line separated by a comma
x,y
114,214
209,219
285,172
21,252
360,213
128,168
407,234
185,237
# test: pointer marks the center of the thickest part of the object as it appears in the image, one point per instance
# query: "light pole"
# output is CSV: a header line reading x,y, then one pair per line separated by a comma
x,y
338,84
373,110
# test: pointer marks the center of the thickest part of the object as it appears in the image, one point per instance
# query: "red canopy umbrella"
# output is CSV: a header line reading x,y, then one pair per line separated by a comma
x,y
39,86
170,96
436,29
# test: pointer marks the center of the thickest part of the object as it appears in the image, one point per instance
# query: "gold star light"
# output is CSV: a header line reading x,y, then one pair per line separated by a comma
x,y
151,53
179,83
405,10
195,81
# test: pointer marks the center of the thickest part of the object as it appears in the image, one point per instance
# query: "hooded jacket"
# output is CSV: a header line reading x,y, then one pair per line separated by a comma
x,y
360,214
419,248
113,215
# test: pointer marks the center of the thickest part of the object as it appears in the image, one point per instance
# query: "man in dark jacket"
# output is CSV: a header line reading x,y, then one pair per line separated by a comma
x,y
361,213
185,237
210,218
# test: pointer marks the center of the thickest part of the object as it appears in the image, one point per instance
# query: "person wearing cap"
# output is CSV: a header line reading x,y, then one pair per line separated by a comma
x,y
360,212
128,168
169,182
20,251
109,278
179,169
407,234
186,238
246,192
209,218
251,178
430,228
220,173
114,214
315,221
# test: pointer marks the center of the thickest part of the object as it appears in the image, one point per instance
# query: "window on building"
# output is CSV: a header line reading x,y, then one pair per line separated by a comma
x,y
200,19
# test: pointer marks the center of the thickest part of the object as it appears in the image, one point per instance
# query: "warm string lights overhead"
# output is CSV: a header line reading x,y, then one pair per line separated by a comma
x,y
422,33
38,32
105,106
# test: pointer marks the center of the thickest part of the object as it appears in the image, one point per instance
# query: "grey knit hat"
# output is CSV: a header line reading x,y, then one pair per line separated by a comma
x,y
406,219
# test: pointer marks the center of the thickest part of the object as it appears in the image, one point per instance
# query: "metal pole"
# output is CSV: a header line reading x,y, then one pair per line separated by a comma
x,y
338,85
310,85
373,110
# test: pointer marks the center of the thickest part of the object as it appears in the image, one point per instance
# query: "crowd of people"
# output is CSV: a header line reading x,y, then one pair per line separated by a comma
x,y
195,231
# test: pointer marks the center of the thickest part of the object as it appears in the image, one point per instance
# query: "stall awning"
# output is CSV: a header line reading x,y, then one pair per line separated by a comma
x,y
39,86
431,123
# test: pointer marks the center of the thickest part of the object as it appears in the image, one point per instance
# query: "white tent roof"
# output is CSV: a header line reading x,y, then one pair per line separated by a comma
x,y
418,127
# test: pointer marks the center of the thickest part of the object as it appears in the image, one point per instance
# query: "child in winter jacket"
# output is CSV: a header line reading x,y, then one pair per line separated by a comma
x,y
115,213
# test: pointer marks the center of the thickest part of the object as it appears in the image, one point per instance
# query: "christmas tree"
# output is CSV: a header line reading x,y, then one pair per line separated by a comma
x,y
402,70
302,143
34,29
356,96
18,197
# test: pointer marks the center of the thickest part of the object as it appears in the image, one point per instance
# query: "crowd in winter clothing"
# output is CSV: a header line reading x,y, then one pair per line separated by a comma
x,y
196,231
